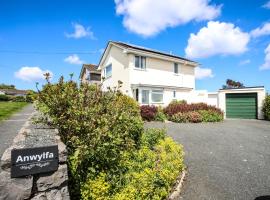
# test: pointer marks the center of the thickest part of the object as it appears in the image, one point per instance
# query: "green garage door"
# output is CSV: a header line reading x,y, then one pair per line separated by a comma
x,y
241,105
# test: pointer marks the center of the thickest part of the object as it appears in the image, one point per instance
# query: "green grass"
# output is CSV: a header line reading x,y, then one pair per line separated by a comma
x,y
8,108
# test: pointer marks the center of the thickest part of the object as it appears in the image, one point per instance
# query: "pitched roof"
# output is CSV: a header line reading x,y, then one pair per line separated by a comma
x,y
91,68
14,91
131,46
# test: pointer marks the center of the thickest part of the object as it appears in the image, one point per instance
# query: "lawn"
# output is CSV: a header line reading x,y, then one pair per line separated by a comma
x,y
8,108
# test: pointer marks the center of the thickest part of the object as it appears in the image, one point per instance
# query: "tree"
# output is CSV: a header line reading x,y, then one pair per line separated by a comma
x,y
232,84
5,86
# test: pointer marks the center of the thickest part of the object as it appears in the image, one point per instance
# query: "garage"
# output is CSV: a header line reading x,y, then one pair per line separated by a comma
x,y
241,105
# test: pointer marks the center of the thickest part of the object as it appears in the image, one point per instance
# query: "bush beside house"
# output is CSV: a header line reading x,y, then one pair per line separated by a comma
x,y
182,112
266,107
110,154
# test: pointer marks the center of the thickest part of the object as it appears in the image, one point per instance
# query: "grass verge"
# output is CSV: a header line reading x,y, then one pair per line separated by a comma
x,y
8,108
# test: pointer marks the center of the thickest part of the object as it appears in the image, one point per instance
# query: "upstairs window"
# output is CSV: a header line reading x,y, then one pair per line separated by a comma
x,y
94,77
176,68
108,71
140,62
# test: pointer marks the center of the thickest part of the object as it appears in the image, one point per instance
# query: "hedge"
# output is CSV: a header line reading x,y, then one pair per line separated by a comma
x,y
109,154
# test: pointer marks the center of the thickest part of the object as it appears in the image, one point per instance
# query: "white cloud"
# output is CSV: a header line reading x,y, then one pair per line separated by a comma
x,y
31,73
149,17
261,31
80,31
244,62
217,38
266,65
73,59
267,5
202,73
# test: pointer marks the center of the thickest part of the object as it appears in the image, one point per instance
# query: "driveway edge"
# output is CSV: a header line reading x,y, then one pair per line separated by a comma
x,y
175,194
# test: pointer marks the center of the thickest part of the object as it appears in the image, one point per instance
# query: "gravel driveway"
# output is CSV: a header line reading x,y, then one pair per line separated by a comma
x,y
228,160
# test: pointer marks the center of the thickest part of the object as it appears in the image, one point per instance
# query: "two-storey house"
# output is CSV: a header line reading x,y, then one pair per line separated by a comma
x,y
149,76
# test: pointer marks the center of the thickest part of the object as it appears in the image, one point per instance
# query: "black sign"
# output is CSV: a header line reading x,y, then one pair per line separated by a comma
x,y
33,160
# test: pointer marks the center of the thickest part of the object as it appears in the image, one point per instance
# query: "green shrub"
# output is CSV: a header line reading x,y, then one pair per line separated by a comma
x,y
4,97
98,127
30,96
193,117
150,174
179,118
109,154
160,116
19,99
210,116
152,136
266,107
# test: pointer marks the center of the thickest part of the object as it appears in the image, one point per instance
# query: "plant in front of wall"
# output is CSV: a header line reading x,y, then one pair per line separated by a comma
x,y
266,107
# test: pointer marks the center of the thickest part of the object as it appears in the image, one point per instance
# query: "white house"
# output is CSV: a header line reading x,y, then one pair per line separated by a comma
x,y
149,76
156,78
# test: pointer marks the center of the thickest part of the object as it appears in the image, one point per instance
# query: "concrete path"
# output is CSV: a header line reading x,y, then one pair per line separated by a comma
x,y
9,128
225,161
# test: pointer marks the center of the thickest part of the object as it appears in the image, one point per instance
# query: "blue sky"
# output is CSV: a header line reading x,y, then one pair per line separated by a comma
x,y
228,38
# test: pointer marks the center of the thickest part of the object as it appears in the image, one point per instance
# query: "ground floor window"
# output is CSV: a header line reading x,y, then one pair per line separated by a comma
x,y
157,96
148,96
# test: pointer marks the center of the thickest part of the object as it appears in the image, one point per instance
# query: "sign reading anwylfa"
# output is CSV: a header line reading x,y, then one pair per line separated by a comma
x,y
34,160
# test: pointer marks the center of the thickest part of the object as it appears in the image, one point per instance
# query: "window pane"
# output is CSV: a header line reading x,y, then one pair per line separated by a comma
x,y
108,71
145,96
95,77
157,96
143,62
176,68
137,61
174,93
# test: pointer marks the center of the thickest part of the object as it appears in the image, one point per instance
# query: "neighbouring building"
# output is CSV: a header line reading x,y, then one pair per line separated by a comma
x,y
90,74
13,92
156,78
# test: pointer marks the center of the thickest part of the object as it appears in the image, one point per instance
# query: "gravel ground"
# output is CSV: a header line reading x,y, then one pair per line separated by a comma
x,y
227,160
9,128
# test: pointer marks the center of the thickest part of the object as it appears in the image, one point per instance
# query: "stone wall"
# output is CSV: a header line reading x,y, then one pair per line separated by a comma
x,y
45,186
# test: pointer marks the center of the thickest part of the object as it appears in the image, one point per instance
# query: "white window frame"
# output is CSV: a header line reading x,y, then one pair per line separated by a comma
x,y
105,71
157,91
142,64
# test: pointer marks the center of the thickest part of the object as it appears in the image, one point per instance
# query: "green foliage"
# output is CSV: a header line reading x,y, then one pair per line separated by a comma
x,y
152,136
150,174
19,99
109,155
177,102
179,118
8,108
197,116
98,127
4,97
266,107
160,116
31,96
210,116
232,84
5,86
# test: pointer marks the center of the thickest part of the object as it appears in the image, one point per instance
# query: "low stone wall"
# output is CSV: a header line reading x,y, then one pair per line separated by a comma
x,y
45,186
